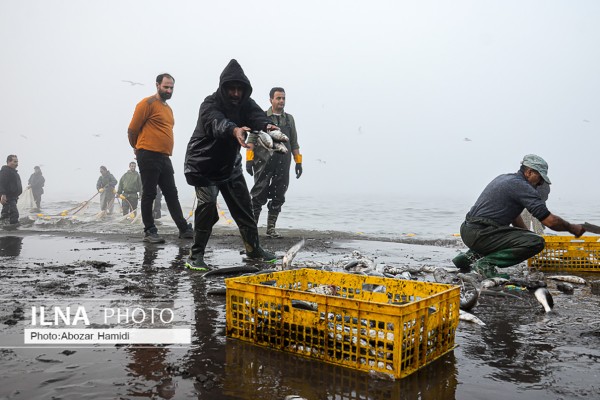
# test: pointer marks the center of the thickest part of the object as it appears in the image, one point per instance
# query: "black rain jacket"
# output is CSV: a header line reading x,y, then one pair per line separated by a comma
x,y
213,153
10,182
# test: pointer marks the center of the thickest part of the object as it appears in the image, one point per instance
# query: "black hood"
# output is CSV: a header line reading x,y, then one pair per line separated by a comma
x,y
233,72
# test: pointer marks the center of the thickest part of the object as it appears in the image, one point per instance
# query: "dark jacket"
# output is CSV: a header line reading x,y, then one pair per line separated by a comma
x,y
213,153
37,181
10,182
107,181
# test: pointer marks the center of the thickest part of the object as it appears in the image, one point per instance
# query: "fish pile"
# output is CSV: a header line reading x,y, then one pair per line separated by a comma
x,y
271,140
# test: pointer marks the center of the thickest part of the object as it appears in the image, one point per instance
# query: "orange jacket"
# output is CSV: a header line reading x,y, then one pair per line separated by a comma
x,y
151,127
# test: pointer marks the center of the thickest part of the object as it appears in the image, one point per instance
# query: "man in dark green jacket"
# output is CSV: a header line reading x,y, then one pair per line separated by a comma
x,y
106,186
130,186
271,167
36,183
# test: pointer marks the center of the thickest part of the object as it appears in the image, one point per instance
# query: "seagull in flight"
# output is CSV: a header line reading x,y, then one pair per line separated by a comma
x,y
467,139
132,83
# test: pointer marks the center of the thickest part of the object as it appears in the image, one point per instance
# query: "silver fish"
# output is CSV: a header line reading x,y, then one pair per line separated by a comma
x,y
278,136
569,278
545,298
280,148
329,290
465,316
565,287
493,282
263,139
290,254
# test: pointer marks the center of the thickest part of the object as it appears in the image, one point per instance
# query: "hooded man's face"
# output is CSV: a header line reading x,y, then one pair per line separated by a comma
x,y
234,92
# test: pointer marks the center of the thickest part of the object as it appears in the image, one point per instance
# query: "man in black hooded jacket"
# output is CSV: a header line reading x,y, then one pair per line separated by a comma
x,y
213,162
10,190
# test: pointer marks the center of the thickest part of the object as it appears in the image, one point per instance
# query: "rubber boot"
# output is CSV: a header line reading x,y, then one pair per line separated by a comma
x,y
253,250
196,257
463,261
271,221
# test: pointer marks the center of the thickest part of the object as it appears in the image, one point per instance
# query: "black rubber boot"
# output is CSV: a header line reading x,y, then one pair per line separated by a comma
x,y
253,250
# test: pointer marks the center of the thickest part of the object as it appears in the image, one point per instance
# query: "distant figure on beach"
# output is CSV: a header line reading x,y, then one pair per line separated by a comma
x,y
10,190
532,223
130,185
156,212
106,186
150,133
36,183
487,230
271,169
213,162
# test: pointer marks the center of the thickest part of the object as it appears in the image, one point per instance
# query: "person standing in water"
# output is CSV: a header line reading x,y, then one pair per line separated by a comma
x,y
106,186
36,183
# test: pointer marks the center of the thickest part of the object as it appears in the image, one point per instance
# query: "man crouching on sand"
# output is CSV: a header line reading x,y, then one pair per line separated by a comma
x,y
213,162
492,242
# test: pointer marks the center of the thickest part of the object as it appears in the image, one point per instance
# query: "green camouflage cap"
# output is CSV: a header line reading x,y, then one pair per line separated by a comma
x,y
537,163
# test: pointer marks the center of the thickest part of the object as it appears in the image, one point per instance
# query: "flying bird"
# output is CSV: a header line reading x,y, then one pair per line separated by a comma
x,y
585,120
468,140
321,161
96,135
132,83
23,136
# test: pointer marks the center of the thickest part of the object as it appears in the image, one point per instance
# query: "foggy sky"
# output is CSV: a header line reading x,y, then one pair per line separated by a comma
x,y
384,93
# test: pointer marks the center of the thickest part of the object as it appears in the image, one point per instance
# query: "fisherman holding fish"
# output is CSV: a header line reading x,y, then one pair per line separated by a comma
x,y
487,230
213,162
271,167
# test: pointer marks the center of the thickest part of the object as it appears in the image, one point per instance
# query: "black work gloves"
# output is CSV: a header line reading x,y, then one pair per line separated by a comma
x,y
249,167
298,170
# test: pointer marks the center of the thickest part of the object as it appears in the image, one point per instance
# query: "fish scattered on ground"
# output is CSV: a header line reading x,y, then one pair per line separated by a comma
x,y
217,292
493,282
569,278
235,270
291,254
565,287
545,298
468,317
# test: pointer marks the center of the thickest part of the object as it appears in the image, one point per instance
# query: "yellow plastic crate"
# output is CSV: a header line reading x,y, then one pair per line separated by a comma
x,y
374,324
569,254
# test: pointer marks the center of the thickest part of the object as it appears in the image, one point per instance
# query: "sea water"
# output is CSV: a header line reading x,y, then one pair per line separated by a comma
x,y
373,215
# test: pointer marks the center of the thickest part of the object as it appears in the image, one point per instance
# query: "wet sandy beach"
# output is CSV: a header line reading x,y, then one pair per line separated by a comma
x,y
522,352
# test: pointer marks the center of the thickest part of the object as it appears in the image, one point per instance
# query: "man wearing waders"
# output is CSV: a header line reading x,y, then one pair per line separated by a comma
x,y
487,230
213,163
271,168
130,185
106,186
